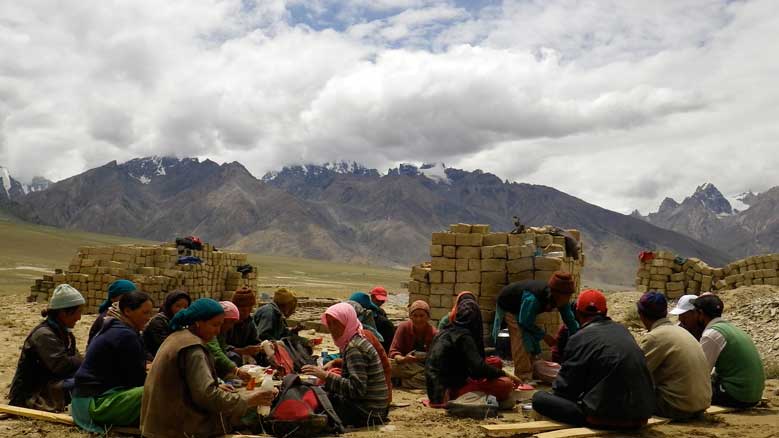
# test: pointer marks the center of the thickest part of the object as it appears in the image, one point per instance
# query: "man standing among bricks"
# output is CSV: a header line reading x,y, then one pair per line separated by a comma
x,y
519,304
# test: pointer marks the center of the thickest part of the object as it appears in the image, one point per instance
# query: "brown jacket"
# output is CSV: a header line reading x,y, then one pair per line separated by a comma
x,y
181,395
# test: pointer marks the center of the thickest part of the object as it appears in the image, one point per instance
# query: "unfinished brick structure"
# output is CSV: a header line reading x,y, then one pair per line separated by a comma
x,y
153,268
471,258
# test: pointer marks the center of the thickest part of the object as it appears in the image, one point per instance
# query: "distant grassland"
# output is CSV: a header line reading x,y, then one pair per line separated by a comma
x,y
27,251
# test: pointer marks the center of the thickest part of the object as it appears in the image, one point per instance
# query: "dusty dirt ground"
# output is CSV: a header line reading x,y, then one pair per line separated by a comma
x,y
17,317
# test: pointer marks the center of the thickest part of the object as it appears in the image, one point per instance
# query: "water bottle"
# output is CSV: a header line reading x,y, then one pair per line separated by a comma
x,y
320,362
267,385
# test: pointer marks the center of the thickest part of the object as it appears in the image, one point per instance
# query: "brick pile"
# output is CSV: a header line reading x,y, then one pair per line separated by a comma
x,y
676,276
471,258
153,268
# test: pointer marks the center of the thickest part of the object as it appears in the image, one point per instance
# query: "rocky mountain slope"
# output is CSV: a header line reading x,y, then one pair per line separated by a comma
x,y
710,217
338,211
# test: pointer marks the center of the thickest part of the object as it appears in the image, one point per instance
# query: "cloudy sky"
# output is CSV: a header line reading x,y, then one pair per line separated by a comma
x,y
620,103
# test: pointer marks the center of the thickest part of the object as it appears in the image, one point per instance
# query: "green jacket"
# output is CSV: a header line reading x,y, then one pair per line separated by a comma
x,y
223,364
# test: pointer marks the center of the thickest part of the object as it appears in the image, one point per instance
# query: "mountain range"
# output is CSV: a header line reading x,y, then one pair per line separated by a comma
x,y
337,211
708,216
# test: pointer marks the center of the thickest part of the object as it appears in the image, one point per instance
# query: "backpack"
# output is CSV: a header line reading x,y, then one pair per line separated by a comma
x,y
289,355
301,410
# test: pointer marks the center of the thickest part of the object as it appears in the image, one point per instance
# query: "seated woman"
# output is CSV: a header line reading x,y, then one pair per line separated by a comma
x,y
360,395
109,384
365,310
182,395
158,327
225,367
49,355
410,345
242,340
115,291
455,363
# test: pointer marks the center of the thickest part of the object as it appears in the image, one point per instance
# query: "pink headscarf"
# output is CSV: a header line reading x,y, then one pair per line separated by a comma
x,y
231,311
345,314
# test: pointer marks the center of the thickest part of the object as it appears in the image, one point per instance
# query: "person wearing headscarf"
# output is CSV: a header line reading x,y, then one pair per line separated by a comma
x,y
360,395
384,326
158,327
115,292
224,366
49,355
366,312
243,339
182,395
456,363
410,345
520,303
271,319
109,383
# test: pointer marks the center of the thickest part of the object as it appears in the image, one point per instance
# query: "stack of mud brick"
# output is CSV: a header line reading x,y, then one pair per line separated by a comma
x,y
471,258
154,269
676,276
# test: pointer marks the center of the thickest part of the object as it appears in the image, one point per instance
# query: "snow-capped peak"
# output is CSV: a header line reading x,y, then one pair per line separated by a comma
x,y
146,169
740,202
711,198
435,172
5,175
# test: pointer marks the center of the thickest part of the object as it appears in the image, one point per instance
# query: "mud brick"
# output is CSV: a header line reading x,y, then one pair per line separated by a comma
x,y
450,276
469,276
642,273
461,265
468,252
675,294
442,264
470,287
468,239
657,285
527,250
544,240
493,277
495,239
443,239
435,300
449,251
446,300
500,251
670,256
662,263
419,273
460,228
493,265
548,263
664,271
519,265
492,289
706,283
642,288
675,286
513,252
521,239
658,277
439,312
474,264
436,250
480,229
413,287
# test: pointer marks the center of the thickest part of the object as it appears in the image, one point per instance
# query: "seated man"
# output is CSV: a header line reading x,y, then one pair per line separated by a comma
x,y
676,361
603,381
410,345
738,379
688,319
271,319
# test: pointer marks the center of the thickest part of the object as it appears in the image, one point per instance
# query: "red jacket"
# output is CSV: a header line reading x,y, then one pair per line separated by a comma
x,y
403,343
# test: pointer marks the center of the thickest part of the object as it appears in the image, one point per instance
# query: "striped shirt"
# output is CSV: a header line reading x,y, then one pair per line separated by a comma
x,y
362,379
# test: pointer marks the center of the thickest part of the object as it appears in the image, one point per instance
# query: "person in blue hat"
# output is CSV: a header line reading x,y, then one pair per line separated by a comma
x,y
115,292
49,356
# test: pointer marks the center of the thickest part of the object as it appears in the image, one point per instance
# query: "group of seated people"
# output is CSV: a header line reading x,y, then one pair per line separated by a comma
x,y
166,372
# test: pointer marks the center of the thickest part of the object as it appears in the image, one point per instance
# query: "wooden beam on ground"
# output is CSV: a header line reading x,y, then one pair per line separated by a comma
x,y
511,429
720,409
586,432
37,415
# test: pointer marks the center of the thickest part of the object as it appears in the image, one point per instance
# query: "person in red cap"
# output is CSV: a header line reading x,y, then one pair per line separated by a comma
x,y
383,325
604,380
520,303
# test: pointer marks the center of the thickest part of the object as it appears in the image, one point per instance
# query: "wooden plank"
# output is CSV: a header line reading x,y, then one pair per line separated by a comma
x,y
720,409
511,429
37,415
584,432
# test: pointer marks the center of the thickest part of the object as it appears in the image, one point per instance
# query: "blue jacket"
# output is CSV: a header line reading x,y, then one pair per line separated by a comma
x,y
116,358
